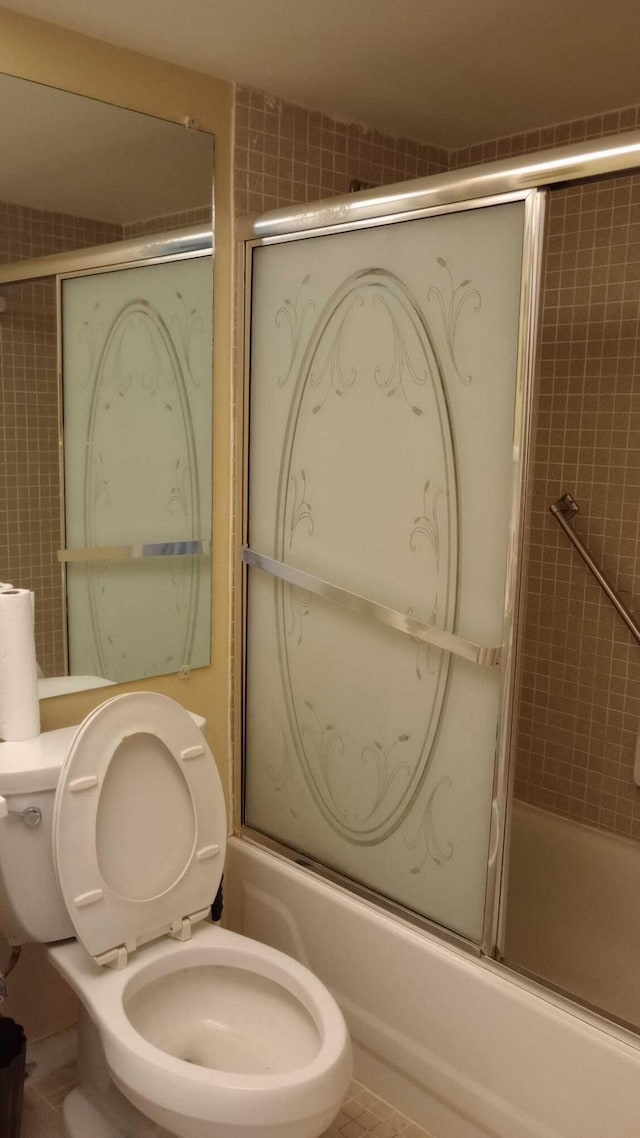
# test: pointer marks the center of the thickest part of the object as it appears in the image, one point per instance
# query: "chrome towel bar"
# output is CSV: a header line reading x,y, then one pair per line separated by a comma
x,y
135,552
428,633
563,511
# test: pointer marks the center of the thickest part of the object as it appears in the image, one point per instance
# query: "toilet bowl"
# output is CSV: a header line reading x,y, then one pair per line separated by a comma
x,y
218,1035
204,1032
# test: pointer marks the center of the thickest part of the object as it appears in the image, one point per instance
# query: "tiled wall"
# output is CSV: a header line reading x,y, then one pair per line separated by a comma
x,y
580,693
29,473
199,216
561,134
26,232
286,154
580,709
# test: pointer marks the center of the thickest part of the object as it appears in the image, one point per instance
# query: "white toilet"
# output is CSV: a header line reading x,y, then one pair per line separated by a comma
x,y
114,834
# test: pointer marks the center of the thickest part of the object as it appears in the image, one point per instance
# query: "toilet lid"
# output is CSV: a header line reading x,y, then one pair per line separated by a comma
x,y
139,823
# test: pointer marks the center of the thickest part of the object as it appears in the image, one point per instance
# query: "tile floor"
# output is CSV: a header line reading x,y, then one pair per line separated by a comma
x,y
43,1097
362,1113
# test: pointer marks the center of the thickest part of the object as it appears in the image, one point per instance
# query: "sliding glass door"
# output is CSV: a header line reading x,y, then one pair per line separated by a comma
x,y
386,392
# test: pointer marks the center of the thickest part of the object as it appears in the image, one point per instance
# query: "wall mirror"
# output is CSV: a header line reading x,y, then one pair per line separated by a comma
x,y
106,246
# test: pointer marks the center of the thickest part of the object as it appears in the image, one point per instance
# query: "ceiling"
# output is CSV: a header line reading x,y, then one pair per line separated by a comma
x,y
125,166
450,72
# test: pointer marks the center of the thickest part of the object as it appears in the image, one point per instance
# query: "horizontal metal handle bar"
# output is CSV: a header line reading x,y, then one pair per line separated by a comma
x,y
565,509
135,552
427,633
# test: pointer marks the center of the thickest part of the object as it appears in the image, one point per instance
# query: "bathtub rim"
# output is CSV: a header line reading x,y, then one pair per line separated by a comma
x,y
439,938
349,887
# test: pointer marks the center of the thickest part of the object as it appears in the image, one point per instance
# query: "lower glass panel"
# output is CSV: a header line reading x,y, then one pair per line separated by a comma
x,y
369,752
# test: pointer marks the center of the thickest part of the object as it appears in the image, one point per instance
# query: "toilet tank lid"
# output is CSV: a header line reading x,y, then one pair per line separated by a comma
x,y
34,764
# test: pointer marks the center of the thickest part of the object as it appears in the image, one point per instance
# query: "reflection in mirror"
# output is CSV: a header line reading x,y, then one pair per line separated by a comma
x,y
105,384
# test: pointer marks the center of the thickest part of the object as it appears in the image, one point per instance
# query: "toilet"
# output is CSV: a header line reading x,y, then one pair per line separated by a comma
x,y
112,844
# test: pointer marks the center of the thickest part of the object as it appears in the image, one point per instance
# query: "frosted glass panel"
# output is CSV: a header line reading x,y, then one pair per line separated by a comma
x,y
381,459
137,437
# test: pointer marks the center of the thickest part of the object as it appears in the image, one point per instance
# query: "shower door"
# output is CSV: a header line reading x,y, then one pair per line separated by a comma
x,y
386,414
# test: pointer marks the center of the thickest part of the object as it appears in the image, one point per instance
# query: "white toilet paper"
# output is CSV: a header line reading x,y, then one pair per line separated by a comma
x,y
19,707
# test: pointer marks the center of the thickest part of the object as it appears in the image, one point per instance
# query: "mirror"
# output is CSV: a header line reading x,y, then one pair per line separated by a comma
x,y
105,384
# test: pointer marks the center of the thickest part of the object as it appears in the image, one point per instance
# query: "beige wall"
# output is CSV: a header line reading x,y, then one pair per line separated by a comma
x,y
33,50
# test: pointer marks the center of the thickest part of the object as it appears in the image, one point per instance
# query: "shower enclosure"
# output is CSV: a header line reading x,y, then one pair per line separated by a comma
x,y
374,765
387,420
395,527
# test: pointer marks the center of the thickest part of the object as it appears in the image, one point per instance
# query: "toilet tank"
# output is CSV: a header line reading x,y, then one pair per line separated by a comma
x,y
31,906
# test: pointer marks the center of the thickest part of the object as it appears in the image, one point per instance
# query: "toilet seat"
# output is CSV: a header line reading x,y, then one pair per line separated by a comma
x,y
139,826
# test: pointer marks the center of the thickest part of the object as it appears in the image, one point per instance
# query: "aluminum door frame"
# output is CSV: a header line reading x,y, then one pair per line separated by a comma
x,y
534,204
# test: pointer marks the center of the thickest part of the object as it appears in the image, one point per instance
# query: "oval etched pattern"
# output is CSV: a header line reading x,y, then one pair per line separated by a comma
x,y
367,499
140,485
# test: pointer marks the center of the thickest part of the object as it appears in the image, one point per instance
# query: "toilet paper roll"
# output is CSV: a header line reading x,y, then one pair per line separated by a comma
x,y
4,587
19,707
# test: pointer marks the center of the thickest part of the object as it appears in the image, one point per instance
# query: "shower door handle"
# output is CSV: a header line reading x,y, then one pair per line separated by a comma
x,y
485,656
182,548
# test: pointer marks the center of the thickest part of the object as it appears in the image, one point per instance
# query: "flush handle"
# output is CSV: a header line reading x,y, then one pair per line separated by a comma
x,y
31,815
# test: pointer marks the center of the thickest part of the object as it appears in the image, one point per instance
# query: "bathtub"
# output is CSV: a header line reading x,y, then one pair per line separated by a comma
x,y
463,1046
583,932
